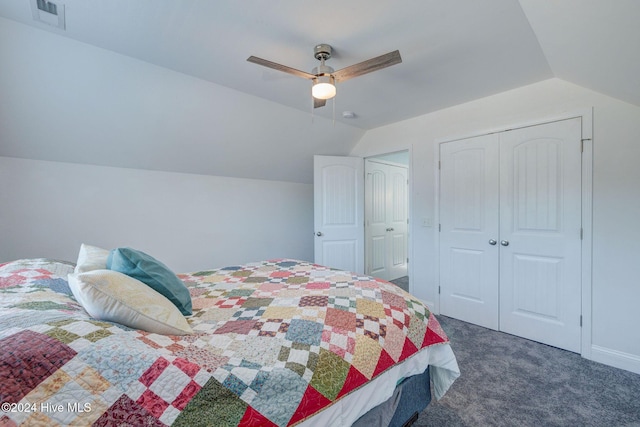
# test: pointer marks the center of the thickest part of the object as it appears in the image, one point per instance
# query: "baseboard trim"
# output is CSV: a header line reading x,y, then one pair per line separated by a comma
x,y
615,358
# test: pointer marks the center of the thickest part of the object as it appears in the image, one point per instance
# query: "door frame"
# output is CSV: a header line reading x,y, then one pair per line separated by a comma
x,y
586,115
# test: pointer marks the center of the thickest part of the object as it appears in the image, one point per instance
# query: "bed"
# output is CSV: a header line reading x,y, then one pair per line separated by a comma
x,y
273,343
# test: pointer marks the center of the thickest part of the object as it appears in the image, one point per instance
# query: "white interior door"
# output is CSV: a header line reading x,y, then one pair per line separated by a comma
x,y
540,222
338,185
386,212
398,206
376,239
469,177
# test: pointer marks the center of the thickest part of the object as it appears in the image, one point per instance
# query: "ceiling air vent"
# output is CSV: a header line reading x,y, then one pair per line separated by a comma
x,y
48,12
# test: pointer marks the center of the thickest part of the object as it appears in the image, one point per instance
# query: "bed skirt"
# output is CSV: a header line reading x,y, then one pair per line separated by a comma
x,y
410,398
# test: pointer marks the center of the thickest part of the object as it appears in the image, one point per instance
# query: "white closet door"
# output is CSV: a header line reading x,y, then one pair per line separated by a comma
x,y
540,226
469,221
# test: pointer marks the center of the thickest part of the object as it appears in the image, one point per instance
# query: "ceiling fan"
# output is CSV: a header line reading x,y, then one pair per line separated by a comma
x,y
324,77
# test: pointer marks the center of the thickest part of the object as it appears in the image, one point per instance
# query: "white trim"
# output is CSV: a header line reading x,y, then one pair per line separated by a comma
x,y
436,229
587,243
583,112
586,115
386,162
615,358
410,229
383,152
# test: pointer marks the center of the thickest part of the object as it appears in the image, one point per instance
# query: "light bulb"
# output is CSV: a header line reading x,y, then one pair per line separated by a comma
x,y
323,87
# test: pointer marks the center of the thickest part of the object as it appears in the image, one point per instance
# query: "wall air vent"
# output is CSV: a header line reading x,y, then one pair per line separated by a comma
x,y
48,12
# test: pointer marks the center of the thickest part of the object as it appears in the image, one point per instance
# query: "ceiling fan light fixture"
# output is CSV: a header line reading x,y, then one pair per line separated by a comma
x,y
323,87
324,77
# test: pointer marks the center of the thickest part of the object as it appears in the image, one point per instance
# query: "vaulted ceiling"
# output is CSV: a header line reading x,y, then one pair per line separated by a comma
x,y
452,51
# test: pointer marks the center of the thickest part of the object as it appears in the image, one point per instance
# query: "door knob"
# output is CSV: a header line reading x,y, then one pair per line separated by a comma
x,y
492,242
504,242
389,229
319,234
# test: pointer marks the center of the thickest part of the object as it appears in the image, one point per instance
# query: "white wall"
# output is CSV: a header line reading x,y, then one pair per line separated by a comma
x,y
190,222
67,101
616,195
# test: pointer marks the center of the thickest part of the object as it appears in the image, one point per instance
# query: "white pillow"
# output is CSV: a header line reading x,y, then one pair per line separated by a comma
x,y
116,297
91,258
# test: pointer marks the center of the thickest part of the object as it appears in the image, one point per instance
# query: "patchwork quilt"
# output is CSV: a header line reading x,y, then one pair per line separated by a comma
x,y
274,343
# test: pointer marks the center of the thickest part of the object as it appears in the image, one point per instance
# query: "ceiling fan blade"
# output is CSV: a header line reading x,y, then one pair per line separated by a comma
x,y
368,66
280,67
317,103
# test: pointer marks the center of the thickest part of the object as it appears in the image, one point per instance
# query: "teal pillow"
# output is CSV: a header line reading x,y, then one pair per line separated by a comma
x,y
153,273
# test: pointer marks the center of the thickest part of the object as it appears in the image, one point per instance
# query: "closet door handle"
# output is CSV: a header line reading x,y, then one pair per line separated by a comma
x,y
492,242
390,229
504,242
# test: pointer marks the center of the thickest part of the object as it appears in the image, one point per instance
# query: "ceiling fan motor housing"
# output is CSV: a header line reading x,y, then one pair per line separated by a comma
x,y
322,51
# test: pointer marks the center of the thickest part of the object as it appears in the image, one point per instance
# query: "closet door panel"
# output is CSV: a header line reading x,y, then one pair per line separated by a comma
x,y
540,220
468,224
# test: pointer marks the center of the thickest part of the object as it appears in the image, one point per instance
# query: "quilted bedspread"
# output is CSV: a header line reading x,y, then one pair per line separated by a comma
x,y
274,343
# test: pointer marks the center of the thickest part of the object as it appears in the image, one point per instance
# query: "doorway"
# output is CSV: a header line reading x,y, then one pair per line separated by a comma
x,y
387,218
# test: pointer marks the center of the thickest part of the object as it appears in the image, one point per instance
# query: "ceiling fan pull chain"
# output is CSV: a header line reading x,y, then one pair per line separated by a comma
x,y
334,111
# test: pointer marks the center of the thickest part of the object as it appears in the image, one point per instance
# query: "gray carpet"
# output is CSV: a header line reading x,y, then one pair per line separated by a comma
x,y
511,381
402,282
